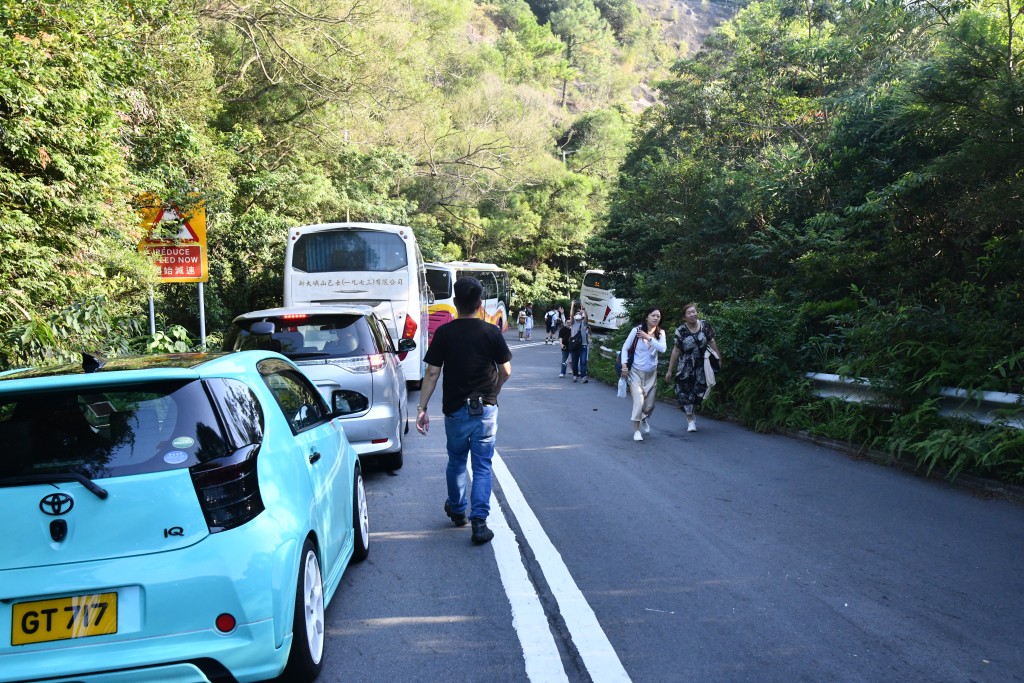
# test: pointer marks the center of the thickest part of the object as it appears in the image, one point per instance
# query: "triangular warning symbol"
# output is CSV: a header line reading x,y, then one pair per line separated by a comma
x,y
185,232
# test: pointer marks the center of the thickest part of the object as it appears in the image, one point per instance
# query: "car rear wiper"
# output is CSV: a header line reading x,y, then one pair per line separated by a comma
x,y
20,479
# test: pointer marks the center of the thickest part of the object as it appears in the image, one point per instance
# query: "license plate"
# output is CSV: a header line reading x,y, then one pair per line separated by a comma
x,y
77,616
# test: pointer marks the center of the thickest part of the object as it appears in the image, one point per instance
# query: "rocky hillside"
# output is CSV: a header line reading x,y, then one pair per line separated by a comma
x,y
686,22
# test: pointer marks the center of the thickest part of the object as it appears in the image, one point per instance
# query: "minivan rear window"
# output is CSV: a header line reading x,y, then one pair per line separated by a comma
x,y
103,432
308,337
349,250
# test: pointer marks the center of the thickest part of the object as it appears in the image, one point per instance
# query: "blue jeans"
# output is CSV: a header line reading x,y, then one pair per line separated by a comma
x,y
470,434
579,362
565,357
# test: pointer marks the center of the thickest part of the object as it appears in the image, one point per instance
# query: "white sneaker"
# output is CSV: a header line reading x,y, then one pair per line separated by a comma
x,y
637,436
562,375
645,426
692,427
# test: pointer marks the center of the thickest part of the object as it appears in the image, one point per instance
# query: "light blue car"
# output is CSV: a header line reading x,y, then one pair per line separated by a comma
x,y
172,518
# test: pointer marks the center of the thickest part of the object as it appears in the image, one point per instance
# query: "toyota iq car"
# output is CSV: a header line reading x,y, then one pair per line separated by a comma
x,y
348,353
172,518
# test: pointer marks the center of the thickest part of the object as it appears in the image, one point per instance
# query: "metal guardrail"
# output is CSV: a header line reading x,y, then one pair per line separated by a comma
x,y
983,407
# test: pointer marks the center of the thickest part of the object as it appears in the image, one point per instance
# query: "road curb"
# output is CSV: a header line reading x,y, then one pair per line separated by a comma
x,y
988,488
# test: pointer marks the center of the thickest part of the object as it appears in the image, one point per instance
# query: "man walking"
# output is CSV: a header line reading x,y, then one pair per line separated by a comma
x,y
476,362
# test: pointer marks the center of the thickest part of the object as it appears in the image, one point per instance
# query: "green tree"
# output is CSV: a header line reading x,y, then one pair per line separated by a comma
x,y
75,79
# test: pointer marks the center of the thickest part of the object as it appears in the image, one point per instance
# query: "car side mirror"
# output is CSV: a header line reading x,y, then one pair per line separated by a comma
x,y
405,345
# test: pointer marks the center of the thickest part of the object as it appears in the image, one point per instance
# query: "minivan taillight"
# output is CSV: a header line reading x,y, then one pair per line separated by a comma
x,y
228,489
361,364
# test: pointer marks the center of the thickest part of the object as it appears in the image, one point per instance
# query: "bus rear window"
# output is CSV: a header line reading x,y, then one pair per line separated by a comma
x,y
336,251
440,283
597,281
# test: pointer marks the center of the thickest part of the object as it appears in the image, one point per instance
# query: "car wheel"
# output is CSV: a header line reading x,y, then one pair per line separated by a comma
x,y
360,520
393,461
308,632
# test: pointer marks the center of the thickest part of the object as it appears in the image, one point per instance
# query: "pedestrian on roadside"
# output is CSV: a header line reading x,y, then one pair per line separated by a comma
x,y
639,357
521,323
549,325
564,335
692,338
476,362
579,342
529,322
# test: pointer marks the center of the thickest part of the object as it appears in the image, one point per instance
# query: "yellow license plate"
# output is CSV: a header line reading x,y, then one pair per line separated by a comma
x,y
78,616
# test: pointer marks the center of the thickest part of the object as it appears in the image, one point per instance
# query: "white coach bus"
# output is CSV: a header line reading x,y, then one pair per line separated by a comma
x,y
605,310
374,264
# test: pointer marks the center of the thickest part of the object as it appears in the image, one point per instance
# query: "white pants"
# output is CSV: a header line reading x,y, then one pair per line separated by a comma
x,y
642,387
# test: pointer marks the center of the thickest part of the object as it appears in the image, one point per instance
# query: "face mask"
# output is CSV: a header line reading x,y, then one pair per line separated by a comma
x,y
579,317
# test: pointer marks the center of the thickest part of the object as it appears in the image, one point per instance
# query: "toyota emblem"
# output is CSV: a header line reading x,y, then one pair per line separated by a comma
x,y
56,504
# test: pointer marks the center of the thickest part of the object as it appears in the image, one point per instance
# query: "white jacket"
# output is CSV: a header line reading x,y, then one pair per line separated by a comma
x,y
645,357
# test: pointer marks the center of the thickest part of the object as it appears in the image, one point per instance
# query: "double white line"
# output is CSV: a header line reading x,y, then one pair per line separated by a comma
x,y
543,661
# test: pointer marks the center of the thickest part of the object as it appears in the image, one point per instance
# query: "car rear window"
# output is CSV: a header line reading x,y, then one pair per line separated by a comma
x,y
308,337
114,431
349,250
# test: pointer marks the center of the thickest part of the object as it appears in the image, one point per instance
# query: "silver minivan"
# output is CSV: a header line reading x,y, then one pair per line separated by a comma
x,y
349,355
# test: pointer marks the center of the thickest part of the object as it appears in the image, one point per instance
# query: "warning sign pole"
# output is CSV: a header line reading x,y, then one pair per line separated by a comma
x,y
202,318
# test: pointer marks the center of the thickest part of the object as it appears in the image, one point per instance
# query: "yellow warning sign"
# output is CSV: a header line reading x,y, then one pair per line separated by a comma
x,y
175,240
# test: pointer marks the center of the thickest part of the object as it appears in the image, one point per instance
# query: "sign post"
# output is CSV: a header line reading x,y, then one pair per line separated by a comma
x,y
176,242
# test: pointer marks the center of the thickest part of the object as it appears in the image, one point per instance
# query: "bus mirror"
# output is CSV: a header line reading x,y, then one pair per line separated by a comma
x,y
406,345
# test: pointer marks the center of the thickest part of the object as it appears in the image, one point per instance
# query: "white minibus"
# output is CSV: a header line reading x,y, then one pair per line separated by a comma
x,y
497,293
605,310
373,264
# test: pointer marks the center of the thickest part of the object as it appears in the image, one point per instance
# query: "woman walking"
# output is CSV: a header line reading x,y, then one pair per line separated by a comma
x,y
691,340
639,356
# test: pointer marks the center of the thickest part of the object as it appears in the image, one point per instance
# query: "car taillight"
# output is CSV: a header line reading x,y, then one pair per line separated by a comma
x,y
228,489
408,332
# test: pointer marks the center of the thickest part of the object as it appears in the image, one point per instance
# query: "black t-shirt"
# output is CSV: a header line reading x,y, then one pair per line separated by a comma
x,y
469,350
564,334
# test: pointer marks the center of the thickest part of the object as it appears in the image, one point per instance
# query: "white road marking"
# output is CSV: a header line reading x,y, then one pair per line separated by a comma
x,y
590,640
524,343
543,662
